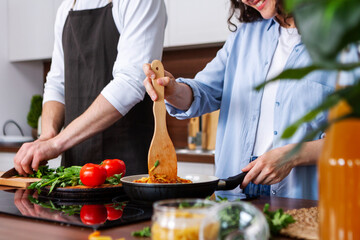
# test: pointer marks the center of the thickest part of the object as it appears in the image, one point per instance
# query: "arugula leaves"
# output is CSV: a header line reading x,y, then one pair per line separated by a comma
x,y
277,220
61,177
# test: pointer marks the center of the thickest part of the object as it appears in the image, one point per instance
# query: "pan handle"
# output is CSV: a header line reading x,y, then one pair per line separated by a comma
x,y
231,182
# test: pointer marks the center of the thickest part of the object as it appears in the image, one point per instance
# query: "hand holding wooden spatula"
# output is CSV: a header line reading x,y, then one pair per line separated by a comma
x,y
162,159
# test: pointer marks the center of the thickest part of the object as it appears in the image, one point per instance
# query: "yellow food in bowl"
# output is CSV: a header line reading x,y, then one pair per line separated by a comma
x,y
182,225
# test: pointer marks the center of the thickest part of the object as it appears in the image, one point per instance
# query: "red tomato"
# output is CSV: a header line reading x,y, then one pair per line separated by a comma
x,y
92,175
114,212
114,166
93,214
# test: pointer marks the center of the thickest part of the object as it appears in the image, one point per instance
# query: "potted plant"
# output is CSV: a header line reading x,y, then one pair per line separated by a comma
x,y
34,114
328,28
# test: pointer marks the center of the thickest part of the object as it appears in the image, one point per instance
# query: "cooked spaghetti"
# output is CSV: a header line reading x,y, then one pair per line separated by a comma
x,y
158,178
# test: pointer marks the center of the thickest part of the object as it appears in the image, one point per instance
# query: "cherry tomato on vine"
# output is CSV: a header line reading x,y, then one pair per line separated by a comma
x,y
114,166
93,214
92,175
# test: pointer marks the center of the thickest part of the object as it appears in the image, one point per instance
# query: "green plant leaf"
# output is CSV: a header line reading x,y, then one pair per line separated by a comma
x,y
351,94
326,26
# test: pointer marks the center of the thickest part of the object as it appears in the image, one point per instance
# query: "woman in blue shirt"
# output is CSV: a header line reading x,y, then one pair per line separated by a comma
x,y
251,122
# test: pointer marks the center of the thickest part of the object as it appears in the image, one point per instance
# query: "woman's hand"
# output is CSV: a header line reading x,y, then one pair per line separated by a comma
x,y
273,166
168,81
177,94
269,168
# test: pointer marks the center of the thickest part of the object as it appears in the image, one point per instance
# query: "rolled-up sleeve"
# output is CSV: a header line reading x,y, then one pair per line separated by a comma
x,y
207,86
142,26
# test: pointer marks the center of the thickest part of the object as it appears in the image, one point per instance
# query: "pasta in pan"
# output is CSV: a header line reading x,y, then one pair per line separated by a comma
x,y
161,179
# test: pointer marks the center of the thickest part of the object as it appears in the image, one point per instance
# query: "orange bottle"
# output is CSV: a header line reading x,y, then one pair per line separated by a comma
x,y
339,178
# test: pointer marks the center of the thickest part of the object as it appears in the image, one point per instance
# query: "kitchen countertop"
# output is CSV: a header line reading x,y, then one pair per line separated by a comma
x,y
20,228
183,155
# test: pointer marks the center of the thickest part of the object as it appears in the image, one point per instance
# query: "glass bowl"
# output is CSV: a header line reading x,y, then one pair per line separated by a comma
x,y
179,219
234,221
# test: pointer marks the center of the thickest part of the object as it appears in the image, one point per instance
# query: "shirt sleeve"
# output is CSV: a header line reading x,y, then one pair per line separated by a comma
x,y
54,86
142,25
207,86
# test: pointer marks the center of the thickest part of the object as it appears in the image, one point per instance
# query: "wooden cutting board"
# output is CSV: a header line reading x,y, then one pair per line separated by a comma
x,y
21,182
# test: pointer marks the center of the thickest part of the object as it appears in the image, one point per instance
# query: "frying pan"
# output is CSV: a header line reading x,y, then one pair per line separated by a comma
x,y
202,186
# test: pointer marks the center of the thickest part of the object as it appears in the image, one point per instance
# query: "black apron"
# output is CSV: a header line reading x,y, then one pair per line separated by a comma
x,y
90,40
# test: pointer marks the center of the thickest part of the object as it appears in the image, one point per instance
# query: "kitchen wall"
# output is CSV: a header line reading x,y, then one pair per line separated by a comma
x,y
18,82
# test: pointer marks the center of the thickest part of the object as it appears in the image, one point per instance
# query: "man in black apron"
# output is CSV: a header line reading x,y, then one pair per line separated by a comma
x,y
90,39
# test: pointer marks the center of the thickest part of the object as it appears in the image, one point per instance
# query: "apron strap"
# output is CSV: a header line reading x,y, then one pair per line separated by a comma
x,y
110,1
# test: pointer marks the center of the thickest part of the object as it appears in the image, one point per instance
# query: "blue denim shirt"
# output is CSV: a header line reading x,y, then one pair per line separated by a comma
x,y
227,83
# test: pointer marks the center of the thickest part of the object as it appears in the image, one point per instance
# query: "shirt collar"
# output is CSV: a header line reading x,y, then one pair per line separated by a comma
x,y
271,23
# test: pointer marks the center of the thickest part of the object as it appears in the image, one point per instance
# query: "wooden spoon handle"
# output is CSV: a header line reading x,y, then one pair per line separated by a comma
x,y
159,108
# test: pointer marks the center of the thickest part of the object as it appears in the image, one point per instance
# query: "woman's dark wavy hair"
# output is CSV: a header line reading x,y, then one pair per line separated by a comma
x,y
249,14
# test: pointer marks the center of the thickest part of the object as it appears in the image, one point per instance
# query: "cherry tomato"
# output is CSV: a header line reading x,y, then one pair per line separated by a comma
x,y
93,214
92,175
114,211
114,166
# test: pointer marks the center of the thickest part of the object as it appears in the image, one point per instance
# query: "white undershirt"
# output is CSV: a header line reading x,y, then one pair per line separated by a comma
x,y
289,37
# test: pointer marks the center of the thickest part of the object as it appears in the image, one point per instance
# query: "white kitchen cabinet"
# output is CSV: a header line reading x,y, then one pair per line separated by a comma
x,y
31,29
192,22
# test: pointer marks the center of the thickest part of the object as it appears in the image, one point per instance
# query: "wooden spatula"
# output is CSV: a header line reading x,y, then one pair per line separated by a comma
x,y
162,156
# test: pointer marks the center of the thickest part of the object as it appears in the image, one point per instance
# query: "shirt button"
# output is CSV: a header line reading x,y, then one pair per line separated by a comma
x,y
266,63
275,132
277,104
273,192
296,49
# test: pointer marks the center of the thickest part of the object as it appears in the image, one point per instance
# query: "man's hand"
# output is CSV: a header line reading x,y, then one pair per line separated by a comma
x,y
32,154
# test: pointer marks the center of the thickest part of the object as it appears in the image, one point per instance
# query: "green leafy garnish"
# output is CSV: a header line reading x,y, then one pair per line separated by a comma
x,y
145,232
277,220
157,163
42,171
114,180
63,177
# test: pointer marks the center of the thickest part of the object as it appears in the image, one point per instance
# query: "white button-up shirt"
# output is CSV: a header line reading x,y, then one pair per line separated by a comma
x,y
227,83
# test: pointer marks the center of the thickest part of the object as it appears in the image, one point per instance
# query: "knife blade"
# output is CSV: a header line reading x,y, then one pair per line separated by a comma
x,y
10,173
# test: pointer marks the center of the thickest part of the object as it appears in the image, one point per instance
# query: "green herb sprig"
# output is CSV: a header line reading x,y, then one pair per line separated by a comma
x,y
145,232
277,220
